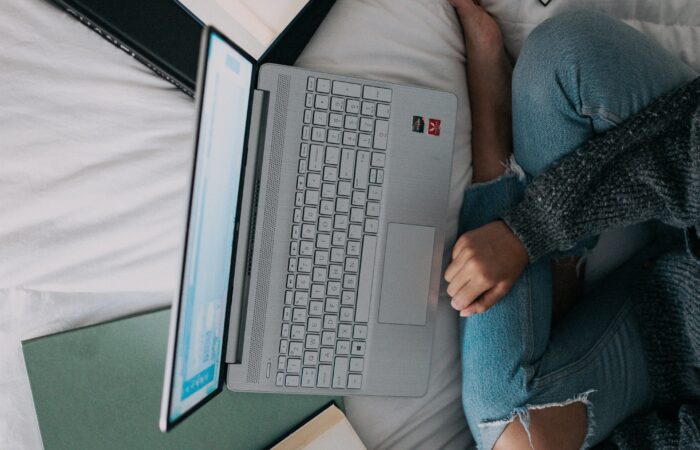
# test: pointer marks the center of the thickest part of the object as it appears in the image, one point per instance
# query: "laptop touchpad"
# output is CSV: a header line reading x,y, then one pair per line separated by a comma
x,y
406,279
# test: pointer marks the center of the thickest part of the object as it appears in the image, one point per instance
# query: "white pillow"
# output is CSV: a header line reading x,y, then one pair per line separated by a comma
x,y
674,24
416,42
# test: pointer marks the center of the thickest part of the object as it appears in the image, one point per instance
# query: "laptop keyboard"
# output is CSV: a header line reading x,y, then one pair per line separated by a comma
x,y
334,235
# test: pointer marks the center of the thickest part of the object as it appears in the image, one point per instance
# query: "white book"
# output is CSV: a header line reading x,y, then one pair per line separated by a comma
x,y
329,429
251,24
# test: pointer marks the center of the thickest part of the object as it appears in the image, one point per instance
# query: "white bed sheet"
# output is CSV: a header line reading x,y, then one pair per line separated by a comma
x,y
94,151
93,156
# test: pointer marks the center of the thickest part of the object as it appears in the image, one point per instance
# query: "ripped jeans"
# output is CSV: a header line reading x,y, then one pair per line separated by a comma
x,y
579,74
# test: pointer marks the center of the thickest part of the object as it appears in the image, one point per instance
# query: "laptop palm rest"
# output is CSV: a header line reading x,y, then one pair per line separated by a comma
x,y
408,261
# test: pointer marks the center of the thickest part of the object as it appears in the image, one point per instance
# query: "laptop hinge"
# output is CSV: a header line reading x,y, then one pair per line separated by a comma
x,y
246,227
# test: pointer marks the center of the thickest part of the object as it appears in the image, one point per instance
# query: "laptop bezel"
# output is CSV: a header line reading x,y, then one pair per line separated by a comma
x,y
166,424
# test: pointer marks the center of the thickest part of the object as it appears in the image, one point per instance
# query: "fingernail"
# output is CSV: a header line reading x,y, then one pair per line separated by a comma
x,y
464,314
454,304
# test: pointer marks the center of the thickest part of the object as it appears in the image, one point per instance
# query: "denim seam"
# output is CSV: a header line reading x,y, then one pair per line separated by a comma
x,y
580,364
527,327
600,112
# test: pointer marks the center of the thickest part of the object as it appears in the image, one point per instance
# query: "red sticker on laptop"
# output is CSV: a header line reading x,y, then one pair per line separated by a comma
x,y
434,127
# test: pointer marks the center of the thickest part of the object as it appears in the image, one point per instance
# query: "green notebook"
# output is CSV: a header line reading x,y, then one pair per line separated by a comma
x,y
100,388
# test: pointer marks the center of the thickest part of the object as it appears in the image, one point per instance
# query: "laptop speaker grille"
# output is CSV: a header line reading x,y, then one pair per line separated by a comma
x,y
268,228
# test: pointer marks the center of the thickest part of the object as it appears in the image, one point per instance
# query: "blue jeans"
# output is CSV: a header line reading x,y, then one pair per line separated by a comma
x,y
578,75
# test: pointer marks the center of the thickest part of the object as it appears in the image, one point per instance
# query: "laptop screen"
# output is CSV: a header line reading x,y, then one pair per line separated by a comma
x,y
211,234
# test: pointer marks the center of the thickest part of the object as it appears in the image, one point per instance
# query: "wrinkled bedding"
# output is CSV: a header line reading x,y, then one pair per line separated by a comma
x,y
94,151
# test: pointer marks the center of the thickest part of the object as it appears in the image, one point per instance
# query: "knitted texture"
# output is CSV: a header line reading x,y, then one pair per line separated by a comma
x,y
647,168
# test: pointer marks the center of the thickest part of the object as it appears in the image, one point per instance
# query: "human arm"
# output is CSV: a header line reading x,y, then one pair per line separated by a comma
x,y
648,168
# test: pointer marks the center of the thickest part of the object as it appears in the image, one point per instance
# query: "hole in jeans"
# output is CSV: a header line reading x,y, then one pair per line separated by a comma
x,y
491,431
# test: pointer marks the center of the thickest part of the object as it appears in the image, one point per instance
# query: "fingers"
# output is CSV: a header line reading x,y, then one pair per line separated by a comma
x,y
465,5
458,263
486,301
467,287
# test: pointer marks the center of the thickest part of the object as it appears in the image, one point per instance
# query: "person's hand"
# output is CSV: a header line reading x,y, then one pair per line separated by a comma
x,y
486,263
481,32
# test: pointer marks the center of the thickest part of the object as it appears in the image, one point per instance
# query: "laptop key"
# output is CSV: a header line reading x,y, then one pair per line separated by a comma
x,y
326,354
349,138
330,321
291,380
299,315
358,348
347,162
306,248
346,89
346,314
364,291
308,377
352,106
310,83
340,372
381,134
355,232
293,365
328,338
357,364
362,170
324,376
316,308
295,348
323,85
332,305
360,332
368,108
351,123
383,111
354,381
374,193
297,332
314,325
364,140
348,298
321,257
366,124
373,209
378,159
332,155
321,102
335,271
279,381
313,341
310,358
328,190
333,136
337,104
344,331
301,298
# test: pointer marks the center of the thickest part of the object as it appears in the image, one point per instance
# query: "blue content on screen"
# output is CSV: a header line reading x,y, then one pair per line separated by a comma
x,y
210,235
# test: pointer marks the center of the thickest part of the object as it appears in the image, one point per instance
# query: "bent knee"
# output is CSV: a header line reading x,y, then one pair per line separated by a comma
x,y
555,427
567,40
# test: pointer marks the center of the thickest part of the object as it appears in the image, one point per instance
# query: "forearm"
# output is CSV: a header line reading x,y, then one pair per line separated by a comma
x,y
489,78
648,168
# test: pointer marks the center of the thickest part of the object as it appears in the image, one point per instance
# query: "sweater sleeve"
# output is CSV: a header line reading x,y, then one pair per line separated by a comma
x,y
647,168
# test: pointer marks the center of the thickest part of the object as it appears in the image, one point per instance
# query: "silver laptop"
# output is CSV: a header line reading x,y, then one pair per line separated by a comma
x,y
313,253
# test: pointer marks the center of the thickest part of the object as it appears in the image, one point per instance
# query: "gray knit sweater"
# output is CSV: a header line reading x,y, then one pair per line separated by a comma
x,y
646,169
